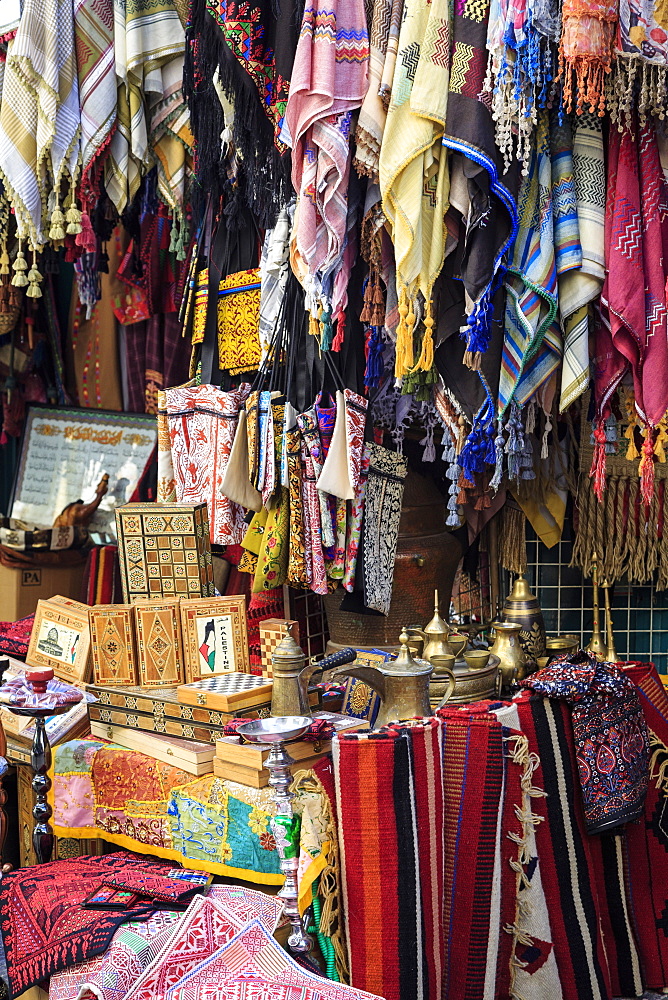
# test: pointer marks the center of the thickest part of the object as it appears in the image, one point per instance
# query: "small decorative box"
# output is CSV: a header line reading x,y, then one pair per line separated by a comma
x,y
60,640
164,550
189,755
227,692
159,647
215,637
272,630
112,633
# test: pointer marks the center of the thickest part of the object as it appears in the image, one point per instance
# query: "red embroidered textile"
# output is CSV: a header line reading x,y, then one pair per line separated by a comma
x,y
45,929
156,887
15,637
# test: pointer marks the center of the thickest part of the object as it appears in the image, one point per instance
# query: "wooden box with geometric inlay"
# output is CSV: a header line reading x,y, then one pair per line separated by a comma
x,y
164,550
159,646
112,634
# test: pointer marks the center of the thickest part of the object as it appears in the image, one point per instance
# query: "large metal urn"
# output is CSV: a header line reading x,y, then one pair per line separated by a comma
x,y
426,560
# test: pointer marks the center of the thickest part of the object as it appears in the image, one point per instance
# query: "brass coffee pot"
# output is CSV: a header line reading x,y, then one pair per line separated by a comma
x,y
436,635
522,606
514,663
403,685
292,674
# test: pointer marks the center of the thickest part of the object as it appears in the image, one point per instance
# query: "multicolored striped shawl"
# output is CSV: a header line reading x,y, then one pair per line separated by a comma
x,y
531,284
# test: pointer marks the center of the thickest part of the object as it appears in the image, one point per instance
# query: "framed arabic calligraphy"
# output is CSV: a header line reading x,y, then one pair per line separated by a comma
x,y
65,453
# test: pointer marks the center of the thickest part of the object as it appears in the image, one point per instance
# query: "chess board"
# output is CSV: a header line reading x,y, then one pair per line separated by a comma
x,y
164,550
227,692
272,630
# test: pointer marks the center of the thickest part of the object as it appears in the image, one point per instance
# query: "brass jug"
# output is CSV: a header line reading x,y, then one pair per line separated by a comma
x,y
436,635
522,606
403,685
292,674
514,663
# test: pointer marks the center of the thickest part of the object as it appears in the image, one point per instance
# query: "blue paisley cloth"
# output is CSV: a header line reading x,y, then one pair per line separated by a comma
x,y
610,732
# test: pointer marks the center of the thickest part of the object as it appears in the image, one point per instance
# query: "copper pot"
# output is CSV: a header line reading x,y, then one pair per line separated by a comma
x,y
426,560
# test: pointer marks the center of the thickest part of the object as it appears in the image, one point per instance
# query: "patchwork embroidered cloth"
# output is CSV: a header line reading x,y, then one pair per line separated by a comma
x,y
610,736
101,789
111,975
44,927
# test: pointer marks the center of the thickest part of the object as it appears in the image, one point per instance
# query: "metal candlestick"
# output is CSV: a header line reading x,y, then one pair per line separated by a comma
x,y
277,732
40,762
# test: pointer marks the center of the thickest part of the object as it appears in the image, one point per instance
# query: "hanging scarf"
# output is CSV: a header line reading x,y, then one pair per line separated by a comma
x,y
531,283
274,271
147,37
520,72
577,288
39,116
329,81
94,37
250,48
491,220
634,296
371,122
413,169
585,52
171,141
641,63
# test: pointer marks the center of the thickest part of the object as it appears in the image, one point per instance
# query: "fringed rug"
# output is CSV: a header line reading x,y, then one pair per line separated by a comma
x,y
44,927
473,767
564,852
384,835
647,840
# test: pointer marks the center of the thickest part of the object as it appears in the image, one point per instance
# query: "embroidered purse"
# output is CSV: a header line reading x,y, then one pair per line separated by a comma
x,y
239,347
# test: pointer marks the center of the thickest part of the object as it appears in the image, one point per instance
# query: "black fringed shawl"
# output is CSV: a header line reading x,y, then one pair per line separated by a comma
x,y
252,46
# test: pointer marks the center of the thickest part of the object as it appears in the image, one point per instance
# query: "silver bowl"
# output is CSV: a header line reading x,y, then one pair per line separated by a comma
x,y
275,730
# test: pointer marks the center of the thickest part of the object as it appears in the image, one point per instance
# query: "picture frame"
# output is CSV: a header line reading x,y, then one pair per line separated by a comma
x,y
65,451
60,639
215,636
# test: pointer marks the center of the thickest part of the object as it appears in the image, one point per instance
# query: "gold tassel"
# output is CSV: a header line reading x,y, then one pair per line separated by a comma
x,y
404,348
19,267
425,362
34,279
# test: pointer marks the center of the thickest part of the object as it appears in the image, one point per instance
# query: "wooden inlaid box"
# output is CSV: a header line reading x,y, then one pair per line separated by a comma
x,y
164,550
189,755
112,634
272,630
60,639
215,636
159,646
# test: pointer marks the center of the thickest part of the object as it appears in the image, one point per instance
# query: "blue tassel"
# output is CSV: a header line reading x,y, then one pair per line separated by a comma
x,y
374,362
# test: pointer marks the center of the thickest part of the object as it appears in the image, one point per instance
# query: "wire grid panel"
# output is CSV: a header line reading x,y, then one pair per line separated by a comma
x,y
639,613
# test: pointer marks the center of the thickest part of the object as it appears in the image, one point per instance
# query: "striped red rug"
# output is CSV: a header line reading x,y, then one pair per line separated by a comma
x,y
389,803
